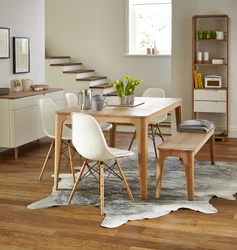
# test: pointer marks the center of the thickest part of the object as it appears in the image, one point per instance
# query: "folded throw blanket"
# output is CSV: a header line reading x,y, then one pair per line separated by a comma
x,y
199,126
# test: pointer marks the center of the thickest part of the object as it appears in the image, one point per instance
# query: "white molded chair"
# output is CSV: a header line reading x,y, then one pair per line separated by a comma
x,y
72,101
89,141
154,125
47,111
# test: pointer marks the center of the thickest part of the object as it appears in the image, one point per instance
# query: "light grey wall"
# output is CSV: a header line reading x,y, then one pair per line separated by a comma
x,y
93,32
25,18
182,13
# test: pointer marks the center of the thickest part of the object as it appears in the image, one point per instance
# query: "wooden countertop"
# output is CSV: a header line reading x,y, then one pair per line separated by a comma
x,y
22,94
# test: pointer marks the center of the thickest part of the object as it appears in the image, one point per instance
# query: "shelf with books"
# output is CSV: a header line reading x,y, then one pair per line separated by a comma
x,y
211,102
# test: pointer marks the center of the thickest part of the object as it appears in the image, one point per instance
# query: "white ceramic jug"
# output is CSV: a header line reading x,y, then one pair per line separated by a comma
x,y
26,84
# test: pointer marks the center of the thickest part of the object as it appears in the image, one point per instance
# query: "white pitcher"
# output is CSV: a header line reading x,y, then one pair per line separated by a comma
x,y
26,84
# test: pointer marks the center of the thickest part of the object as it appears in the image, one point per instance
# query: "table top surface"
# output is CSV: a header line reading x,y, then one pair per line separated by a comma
x,y
150,107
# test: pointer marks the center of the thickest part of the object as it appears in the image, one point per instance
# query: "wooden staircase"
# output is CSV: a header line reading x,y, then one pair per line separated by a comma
x,y
72,78
99,84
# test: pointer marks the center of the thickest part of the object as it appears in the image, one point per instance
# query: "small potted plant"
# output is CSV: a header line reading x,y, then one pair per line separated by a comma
x,y
125,89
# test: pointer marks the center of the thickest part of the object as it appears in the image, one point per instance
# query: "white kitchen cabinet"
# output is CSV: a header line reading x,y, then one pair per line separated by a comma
x,y
20,117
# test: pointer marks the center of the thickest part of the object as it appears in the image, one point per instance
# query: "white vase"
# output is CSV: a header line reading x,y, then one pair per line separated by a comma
x,y
131,99
122,100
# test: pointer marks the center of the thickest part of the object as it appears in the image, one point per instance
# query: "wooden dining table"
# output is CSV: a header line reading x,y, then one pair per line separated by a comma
x,y
149,109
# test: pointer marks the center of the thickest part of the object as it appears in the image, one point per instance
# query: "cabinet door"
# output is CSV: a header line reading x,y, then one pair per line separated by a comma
x,y
25,126
4,123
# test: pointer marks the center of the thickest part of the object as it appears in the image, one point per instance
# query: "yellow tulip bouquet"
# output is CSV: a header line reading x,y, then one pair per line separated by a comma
x,y
126,86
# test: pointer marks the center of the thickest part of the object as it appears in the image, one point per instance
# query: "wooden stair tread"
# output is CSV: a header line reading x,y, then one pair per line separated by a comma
x,y
65,64
102,86
57,57
112,93
78,71
92,78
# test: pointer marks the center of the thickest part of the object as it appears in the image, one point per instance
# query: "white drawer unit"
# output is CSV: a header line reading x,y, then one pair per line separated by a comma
x,y
210,95
20,118
210,101
209,107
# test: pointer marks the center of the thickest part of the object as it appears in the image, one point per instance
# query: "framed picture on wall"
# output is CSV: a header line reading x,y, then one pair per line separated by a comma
x,y
4,43
21,55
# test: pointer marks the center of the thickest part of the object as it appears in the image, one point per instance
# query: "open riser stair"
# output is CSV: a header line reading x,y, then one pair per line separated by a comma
x,y
62,73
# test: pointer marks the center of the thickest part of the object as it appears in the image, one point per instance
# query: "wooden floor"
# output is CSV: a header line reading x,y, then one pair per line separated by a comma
x,y
78,227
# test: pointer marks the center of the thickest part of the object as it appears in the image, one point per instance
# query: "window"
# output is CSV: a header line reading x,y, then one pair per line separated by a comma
x,y
149,24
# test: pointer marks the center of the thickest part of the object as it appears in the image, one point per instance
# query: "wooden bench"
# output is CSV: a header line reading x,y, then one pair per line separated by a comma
x,y
184,145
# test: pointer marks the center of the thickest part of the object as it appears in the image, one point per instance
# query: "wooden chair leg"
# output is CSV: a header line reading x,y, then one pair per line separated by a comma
x,y
101,170
77,182
124,181
133,138
160,134
160,170
154,140
71,162
189,172
46,160
212,149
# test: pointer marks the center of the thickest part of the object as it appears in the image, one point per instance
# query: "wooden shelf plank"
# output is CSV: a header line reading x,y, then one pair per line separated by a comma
x,y
210,40
210,64
223,88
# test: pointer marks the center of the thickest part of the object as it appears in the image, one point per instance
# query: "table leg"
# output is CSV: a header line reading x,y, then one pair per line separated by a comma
x,y
142,144
113,135
178,115
58,146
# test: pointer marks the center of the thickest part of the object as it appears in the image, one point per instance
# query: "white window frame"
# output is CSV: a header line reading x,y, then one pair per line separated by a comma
x,y
130,26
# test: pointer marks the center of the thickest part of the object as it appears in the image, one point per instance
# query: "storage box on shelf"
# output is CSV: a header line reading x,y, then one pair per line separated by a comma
x,y
210,59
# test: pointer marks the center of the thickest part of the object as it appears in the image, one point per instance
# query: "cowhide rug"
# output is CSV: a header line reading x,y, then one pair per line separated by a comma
x,y
219,180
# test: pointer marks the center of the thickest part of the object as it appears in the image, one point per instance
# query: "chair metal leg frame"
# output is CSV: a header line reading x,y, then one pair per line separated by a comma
x,y
101,180
155,129
154,140
50,154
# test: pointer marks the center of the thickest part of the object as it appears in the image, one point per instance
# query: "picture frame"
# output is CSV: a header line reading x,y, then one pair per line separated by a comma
x,y
4,43
21,55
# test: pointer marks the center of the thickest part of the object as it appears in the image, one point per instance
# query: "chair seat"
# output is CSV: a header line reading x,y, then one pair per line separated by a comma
x,y
105,125
120,152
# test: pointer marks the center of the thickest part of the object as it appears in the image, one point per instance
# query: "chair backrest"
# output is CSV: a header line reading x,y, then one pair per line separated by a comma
x,y
155,92
72,100
47,111
88,138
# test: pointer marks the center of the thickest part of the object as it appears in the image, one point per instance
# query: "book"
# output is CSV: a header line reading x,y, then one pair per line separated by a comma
x,y
199,80
195,79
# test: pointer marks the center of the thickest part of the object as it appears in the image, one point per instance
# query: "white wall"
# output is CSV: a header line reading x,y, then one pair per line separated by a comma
x,y
25,18
93,32
183,10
